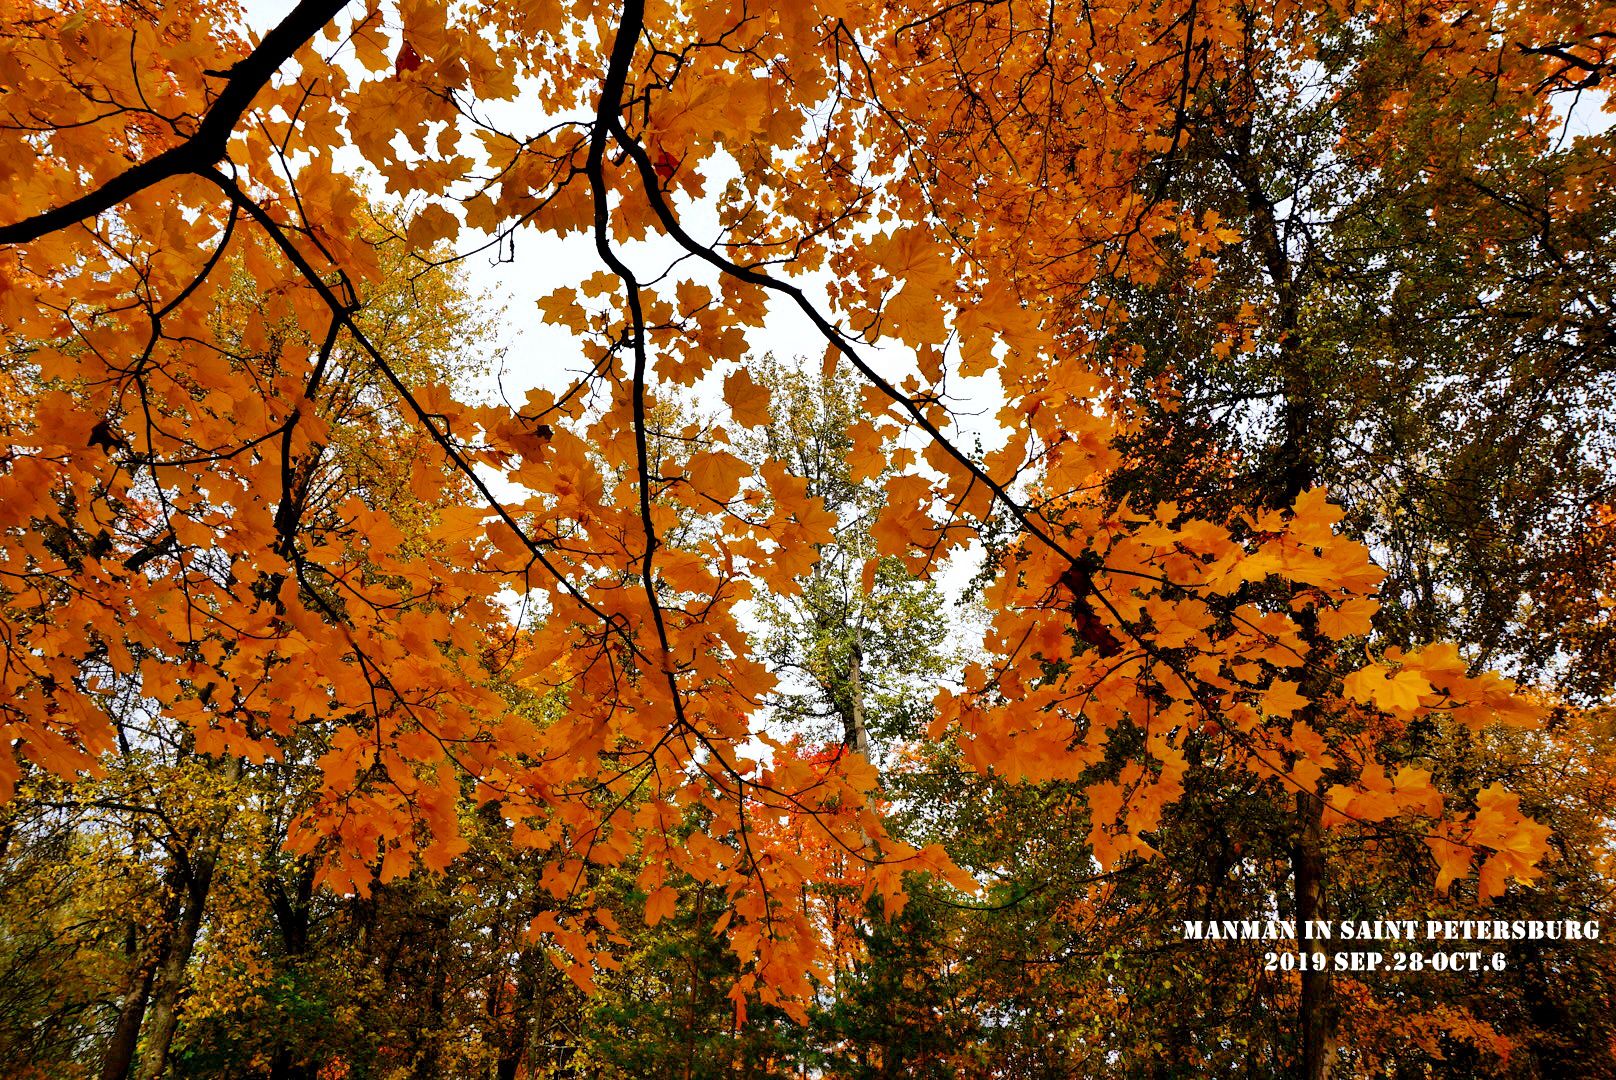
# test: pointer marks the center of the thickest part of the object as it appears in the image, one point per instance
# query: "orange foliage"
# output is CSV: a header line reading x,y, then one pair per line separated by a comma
x,y
962,173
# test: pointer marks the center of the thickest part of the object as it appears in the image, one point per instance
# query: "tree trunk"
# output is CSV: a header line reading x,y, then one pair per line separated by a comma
x,y
1307,868
126,1033
854,733
169,982
194,880
513,1033
428,1036
1292,467
120,1054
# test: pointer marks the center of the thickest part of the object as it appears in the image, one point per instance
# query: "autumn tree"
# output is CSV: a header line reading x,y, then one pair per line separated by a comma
x,y
1399,324
971,179
168,810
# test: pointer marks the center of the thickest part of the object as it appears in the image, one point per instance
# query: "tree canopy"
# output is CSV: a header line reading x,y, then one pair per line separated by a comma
x,y
1253,363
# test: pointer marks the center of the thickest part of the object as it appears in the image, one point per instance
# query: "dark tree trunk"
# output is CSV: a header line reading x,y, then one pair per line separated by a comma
x,y
169,984
1307,870
1291,467
194,881
855,735
148,955
126,1033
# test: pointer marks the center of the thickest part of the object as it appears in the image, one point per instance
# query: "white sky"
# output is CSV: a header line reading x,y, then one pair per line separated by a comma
x,y
536,354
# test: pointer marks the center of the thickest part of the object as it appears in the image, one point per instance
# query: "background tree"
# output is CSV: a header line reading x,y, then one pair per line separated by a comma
x,y
1416,326
168,821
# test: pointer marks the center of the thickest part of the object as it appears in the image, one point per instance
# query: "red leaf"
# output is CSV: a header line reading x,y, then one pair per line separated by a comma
x,y
406,60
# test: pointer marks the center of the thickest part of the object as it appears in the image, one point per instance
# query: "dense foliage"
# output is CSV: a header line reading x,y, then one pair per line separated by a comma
x,y
1194,501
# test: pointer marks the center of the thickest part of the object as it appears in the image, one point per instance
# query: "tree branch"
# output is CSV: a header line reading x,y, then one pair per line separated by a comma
x,y
244,80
